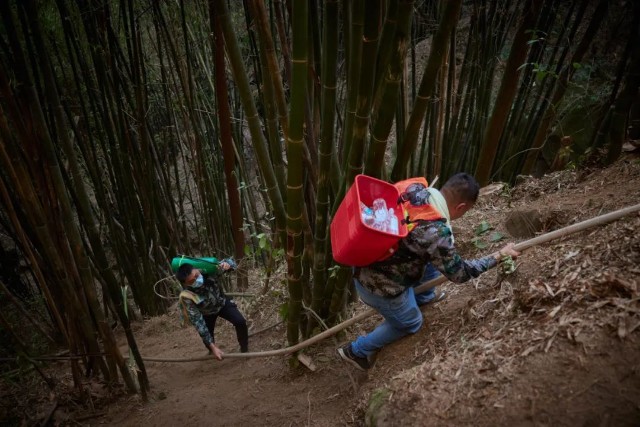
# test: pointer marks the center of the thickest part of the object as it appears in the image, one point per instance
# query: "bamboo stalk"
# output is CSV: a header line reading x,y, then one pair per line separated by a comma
x,y
388,88
506,93
295,173
226,140
268,84
365,91
270,65
545,238
427,86
354,34
257,137
325,154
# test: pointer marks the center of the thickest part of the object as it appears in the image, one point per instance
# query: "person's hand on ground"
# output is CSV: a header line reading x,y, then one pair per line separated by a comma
x,y
217,353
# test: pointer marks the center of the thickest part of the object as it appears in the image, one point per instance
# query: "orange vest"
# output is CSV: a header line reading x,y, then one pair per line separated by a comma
x,y
413,213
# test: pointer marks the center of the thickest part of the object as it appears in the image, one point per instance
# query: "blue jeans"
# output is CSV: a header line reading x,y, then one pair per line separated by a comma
x,y
430,273
401,317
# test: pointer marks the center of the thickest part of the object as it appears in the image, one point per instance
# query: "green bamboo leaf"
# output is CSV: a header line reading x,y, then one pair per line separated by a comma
x,y
479,243
495,237
482,228
333,271
507,265
284,311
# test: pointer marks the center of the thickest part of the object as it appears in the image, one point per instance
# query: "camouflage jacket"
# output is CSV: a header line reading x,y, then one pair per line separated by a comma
x,y
212,300
429,242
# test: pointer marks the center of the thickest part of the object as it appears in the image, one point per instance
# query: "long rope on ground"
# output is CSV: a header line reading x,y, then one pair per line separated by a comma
x,y
543,238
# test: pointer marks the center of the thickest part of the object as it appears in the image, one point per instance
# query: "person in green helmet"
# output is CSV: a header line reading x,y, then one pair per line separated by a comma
x,y
203,301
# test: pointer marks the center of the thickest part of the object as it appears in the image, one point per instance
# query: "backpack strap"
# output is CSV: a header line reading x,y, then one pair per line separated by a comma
x,y
185,294
197,299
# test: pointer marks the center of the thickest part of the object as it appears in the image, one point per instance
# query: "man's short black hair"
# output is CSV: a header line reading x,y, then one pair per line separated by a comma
x,y
183,272
462,187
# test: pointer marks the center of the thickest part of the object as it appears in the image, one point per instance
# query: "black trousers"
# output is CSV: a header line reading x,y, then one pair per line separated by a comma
x,y
230,313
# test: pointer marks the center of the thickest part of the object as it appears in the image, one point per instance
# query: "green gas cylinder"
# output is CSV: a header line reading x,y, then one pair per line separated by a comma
x,y
207,265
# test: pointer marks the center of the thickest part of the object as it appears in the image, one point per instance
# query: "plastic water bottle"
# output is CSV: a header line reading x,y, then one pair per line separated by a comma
x,y
381,215
393,222
367,214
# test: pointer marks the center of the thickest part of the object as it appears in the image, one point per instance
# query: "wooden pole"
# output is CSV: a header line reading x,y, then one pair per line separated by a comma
x,y
544,238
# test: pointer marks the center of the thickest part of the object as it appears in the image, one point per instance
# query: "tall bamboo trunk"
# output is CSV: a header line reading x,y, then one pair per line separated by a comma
x,y
427,85
506,93
257,137
325,154
295,199
224,121
388,89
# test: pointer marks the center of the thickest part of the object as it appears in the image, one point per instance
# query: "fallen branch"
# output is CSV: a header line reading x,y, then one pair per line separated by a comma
x,y
544,238
266,328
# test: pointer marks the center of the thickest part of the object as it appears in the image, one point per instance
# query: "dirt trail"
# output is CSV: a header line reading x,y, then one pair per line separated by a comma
x,y
257,391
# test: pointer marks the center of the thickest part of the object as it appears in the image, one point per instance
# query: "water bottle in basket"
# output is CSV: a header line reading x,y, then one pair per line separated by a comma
x,y
394,227
367,214
381,215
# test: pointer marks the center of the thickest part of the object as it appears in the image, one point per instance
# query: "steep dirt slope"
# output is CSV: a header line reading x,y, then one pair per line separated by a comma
x,y
556,343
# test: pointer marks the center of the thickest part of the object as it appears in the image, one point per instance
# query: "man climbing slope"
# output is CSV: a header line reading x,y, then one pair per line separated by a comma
x,y
387,286
203,301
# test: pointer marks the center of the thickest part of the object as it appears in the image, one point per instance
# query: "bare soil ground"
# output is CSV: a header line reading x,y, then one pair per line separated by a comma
x,y
555,343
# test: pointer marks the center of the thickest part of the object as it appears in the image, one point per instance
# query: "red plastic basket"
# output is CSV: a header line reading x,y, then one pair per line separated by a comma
x,y
352,241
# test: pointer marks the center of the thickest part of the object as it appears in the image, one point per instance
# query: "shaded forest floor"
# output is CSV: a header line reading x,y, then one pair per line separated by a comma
x,y
555,343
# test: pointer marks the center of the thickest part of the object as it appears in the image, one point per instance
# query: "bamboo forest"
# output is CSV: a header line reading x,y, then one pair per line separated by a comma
x,y
137,132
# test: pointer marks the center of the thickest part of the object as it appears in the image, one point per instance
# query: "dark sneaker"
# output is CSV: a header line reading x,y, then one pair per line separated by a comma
x,y
346,353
